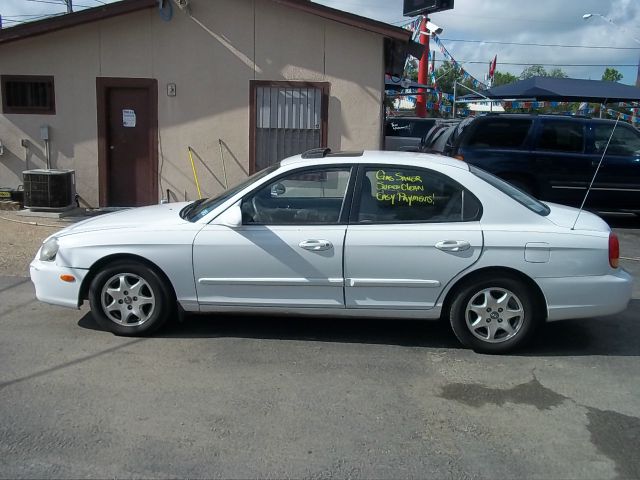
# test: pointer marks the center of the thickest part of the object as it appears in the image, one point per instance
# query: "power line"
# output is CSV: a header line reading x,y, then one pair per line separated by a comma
x,y
546,64
541,44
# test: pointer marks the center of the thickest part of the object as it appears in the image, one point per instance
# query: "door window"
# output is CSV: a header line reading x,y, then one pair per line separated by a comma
x,y
393,194
307,197
562,136
625,141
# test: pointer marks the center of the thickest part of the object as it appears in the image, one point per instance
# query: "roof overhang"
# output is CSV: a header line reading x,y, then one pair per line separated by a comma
x,y
52,24
48,25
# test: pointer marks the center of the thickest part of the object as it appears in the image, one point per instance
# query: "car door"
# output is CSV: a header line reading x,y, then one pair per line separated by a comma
x,y
411,232
287,252
617,184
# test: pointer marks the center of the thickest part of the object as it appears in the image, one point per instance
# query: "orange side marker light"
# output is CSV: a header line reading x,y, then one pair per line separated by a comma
x,y
67,278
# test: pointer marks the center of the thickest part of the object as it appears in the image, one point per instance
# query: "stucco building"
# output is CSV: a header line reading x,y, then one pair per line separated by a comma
x,y
127,88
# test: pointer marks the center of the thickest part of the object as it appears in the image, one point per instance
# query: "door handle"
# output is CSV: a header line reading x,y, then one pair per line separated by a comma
x,y
316,245
453,245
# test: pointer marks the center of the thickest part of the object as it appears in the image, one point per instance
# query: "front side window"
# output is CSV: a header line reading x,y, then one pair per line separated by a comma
x,y
392,194
562,136
625,140
28,94
307,197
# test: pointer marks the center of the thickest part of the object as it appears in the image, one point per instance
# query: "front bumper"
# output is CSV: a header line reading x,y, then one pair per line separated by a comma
x,y
51,289
584,297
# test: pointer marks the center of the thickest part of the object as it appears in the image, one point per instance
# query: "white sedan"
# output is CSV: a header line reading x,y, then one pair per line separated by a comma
x,y
366,234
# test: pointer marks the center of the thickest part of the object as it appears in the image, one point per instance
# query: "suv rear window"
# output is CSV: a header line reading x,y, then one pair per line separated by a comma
x,y
500,132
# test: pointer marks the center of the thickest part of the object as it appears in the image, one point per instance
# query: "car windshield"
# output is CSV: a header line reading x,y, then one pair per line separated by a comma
x,y
515,193
198,209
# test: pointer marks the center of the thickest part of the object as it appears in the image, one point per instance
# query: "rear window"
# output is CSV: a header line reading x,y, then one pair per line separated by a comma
x,y
508,189
399,127
500,132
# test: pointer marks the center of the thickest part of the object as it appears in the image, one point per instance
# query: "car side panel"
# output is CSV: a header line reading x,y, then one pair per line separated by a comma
x,y
83,250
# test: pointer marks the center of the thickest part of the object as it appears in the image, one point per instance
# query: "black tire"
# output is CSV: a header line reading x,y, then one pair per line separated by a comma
x,y
141,303
469,326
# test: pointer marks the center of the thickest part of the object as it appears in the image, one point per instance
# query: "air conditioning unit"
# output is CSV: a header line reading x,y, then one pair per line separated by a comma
x,y
49,189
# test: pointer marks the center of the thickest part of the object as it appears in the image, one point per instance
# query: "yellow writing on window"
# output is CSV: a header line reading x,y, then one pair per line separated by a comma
x,y
400,189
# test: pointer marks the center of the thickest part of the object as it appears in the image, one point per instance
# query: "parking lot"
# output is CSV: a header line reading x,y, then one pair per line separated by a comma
x,y
240,397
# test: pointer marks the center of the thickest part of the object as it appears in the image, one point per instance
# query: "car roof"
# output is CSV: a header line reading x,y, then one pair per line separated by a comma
x,y
375,157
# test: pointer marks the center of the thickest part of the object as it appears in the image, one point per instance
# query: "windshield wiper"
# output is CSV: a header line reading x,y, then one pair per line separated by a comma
x,y
189,208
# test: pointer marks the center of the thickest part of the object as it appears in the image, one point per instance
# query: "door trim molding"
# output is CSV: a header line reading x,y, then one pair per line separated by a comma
x,y
253,87
103,84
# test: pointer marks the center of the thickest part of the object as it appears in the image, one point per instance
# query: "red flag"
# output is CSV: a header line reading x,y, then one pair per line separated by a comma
x,y
492,66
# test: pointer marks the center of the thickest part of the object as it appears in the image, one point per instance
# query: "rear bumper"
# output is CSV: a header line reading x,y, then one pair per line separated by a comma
x,y
50,289
584,297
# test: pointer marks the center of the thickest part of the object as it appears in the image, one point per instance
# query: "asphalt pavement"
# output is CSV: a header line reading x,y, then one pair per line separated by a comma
x,y
243,397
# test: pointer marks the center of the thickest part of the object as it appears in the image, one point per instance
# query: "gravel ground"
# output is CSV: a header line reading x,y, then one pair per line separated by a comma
x,y
20,238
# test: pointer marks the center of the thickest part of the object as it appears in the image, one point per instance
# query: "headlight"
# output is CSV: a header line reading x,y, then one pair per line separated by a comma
x,y
49,250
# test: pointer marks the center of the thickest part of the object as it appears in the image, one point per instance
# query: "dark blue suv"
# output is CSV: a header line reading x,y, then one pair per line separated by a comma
x,y
554,157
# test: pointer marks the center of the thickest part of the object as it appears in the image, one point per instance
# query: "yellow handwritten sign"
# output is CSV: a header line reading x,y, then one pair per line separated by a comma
x,y
402,189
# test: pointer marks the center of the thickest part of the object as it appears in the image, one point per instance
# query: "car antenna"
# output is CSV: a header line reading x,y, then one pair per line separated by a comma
x,y
596,173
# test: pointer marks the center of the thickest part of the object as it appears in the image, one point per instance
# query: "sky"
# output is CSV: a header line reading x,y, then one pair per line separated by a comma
x,y
472,24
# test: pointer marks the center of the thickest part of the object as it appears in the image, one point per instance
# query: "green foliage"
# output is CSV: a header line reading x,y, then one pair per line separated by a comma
x,y
503,79
533,71
539,71
612,75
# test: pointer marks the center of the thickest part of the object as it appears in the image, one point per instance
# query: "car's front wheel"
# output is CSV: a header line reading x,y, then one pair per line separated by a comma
x,y
130,299
494,315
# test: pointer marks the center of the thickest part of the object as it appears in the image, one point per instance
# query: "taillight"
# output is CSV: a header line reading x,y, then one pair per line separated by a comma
x,y
614,250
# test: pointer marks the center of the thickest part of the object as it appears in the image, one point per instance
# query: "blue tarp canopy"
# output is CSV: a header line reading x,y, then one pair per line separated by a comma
x,y
562,90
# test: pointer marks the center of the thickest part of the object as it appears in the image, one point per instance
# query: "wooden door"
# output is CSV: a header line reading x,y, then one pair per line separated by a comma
x,y
128,149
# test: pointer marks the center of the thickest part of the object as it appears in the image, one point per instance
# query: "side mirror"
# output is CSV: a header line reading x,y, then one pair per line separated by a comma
x,y
231,217
278,189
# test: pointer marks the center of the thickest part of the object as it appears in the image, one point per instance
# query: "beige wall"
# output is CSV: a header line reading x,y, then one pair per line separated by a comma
x,y
211,59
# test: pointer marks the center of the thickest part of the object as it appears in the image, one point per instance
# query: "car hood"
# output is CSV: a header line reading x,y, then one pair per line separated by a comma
x,y
141,217
565,216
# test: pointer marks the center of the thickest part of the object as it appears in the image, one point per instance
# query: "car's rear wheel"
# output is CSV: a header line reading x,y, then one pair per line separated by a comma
x,y
494,315
130,299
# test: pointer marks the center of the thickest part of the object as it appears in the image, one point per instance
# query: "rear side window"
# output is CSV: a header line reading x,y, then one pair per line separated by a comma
x,y
508,189
562,136
500,133
392,194
625,140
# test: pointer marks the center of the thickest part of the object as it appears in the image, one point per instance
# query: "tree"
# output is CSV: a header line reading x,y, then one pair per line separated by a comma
x,y
539,71
533,71
557,73
446,76
612,75
503,79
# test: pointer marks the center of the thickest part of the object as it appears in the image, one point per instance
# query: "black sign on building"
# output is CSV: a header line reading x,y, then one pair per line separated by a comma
x,y
413,8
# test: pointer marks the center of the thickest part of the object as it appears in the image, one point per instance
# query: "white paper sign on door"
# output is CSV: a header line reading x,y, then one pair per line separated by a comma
x,y
128,118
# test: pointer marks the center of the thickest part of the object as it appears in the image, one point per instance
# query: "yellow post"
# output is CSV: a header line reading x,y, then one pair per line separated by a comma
x,y
195,175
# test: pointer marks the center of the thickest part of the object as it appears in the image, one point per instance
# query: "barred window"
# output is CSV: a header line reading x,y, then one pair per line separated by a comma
x,y
28,94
